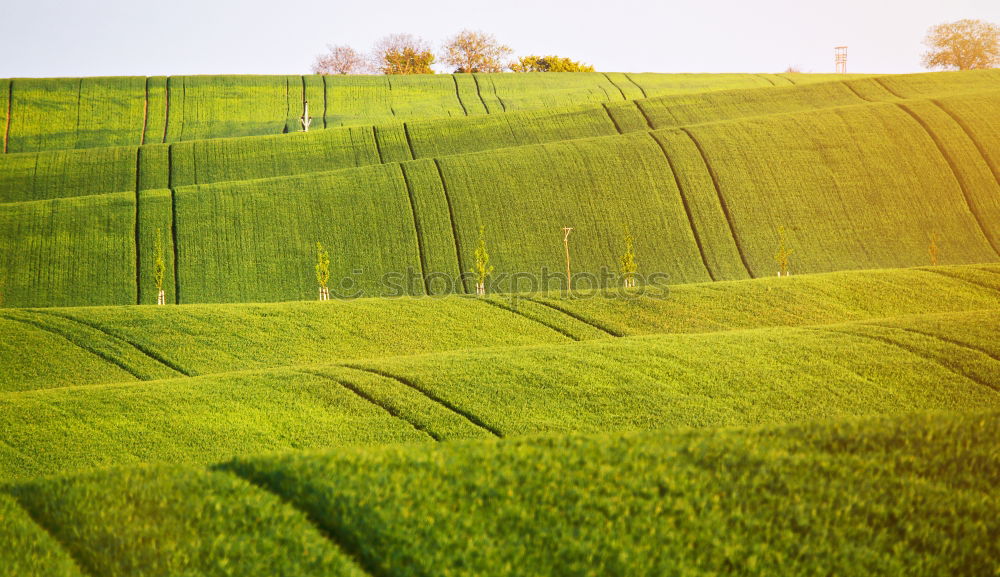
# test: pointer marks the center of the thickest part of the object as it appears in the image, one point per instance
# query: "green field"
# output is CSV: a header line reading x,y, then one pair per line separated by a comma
x,y
671,167
716,419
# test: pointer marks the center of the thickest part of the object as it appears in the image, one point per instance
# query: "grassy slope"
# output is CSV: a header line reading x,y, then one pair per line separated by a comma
x,y
912,494
799,300
842,182
169,521
887,496
777,375
66,113
719,379
600,187
28,548
200,419
69,251
256,240
840,204
239,158
200,339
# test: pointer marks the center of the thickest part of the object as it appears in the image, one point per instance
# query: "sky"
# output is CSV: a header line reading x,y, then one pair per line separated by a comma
x,y
146,38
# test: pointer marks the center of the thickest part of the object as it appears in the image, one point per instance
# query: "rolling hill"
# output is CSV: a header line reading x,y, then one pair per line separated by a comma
x,y
716,419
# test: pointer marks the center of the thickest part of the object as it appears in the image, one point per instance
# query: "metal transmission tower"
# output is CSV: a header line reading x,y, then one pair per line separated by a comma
x,y
840,58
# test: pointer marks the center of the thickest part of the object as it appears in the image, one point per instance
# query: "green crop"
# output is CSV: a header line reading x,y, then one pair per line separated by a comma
x,y
909,495
203,339
69,251
169,521
734,378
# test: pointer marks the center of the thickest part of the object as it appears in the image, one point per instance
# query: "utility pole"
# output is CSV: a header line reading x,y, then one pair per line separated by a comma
x,y
306,120
569,275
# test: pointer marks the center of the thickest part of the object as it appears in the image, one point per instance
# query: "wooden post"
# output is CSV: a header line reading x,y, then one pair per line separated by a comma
x,y
569,275
306,120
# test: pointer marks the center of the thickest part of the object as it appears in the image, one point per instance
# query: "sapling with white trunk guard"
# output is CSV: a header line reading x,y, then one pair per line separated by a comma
x,y
782,256
483,268
159,268
322,271
627,261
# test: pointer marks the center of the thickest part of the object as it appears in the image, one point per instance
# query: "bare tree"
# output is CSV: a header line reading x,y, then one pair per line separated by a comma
x,y
340,60
474,51
402,54
963,45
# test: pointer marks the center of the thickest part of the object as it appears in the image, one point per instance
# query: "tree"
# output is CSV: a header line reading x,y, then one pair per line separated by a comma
x,y
322,271
402,54
159,268
483,268
549,64
627,261
472,51
932,248
963,45
340,60
781,257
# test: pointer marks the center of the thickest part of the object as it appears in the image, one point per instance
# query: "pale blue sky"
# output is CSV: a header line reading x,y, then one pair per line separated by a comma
x,y
139,37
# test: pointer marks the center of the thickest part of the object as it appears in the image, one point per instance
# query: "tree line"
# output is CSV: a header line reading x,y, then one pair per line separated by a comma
x,y
467,51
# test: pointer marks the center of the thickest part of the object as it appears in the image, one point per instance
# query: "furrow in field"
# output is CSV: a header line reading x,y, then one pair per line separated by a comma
x,y
472,418
959,176
43,552
357,390
687,207
126,522
518,309
892,337
10,104
972,137
613,120
722,201
547,302
357,566
86,343
166,364
451,219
